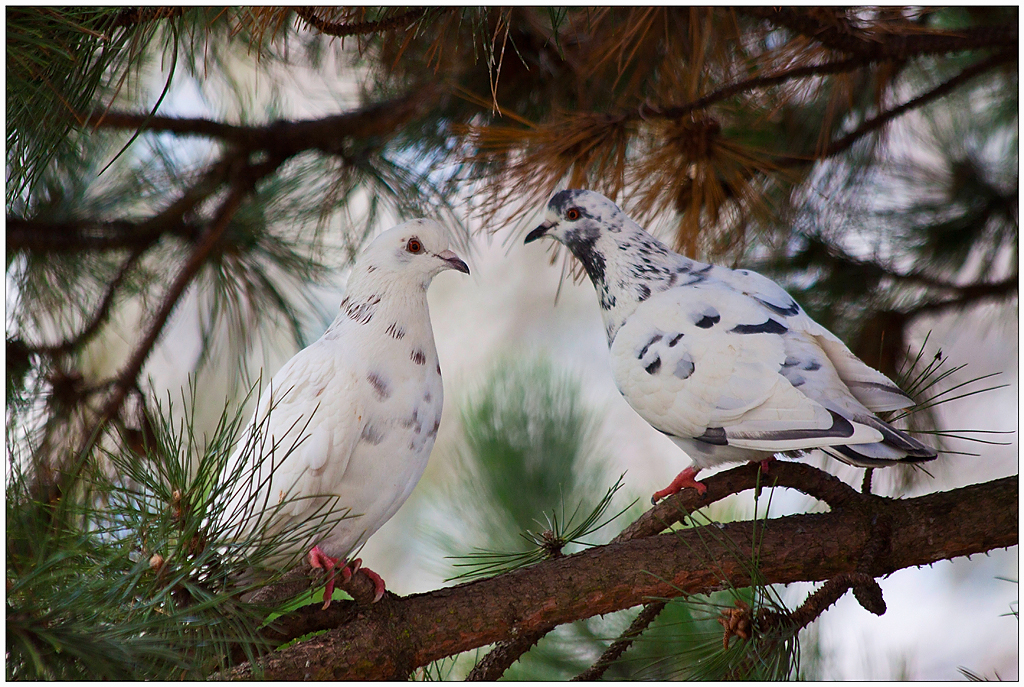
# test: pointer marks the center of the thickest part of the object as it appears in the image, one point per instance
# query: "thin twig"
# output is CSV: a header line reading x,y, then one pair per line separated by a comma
x,y
245,181
967,295
878,45
619,647
884,118
342,30
326,134
676,111
194,126
133,16
102,312
817,602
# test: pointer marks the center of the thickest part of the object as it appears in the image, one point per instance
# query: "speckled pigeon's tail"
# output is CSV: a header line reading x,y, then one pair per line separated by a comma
x,y
897,446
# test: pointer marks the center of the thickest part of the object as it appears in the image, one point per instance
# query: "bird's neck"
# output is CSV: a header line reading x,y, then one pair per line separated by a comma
x,y
386,309
634,266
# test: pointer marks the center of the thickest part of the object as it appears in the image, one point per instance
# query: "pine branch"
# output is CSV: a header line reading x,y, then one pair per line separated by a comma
x,y
883,118
327,134
391,638
621,645
967,295
40,236
102,311
245,176
890,46
677,111
195,126
341,30
964,295
823,598
281,139
133,16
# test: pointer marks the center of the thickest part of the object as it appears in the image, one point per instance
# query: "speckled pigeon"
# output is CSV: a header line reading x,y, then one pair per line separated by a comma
x,y
724,362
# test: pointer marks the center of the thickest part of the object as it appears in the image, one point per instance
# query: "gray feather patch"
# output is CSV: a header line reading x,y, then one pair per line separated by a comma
x,y
684,368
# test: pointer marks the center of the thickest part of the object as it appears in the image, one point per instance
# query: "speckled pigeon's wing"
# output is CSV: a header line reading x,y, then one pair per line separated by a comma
x,y
869,386
707,362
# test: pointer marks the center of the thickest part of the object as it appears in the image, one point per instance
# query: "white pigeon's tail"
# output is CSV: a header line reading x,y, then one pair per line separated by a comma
x,y
896,447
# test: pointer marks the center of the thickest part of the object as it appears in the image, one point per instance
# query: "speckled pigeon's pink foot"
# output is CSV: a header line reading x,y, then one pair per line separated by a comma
x,y
683,480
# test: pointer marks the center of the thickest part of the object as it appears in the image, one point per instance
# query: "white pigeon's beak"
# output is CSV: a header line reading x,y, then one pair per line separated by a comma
x,y
539,232
453,261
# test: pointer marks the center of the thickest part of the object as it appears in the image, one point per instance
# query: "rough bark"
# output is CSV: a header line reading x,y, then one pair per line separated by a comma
x,y
862,534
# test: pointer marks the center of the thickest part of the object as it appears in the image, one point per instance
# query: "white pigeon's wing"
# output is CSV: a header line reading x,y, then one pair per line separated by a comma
x,y
869,386
706,361
302,435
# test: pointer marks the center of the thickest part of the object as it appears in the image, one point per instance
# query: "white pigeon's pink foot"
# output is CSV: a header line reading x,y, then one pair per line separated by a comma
x,y
354,566
318,559
683,480
378,584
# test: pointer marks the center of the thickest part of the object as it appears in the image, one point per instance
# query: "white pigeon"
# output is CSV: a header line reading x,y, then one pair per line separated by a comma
x,y
724,362
353,417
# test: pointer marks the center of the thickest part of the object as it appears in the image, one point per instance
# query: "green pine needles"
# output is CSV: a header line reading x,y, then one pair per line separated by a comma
x,y
136,571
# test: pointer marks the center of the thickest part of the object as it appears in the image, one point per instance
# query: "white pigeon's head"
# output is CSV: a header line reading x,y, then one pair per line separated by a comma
x,y
414,251
579,219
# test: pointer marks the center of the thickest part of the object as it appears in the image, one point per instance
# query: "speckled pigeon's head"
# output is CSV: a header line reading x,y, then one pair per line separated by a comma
x,y
583,221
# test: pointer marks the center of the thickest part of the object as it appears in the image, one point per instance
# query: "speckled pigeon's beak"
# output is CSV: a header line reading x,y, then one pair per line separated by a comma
x,y
454,261
539,232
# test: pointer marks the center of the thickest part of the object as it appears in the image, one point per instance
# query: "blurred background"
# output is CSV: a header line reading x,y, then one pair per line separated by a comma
x,y
167,228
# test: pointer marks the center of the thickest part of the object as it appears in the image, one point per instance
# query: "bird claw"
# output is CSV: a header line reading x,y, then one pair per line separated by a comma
x,y
683,480
318,559
378,584
356,565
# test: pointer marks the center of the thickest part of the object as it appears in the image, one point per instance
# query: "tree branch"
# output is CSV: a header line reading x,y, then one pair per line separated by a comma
x,y
393,637
331,135
327,134
878,45
884,118
676,111
963,295
800,476
133,16
967,295
622,644
342,30
40,236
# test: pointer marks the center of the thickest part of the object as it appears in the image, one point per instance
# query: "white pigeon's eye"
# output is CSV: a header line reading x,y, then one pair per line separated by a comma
x,y
414,246
572,214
